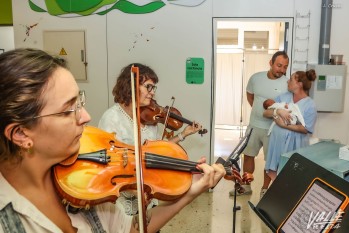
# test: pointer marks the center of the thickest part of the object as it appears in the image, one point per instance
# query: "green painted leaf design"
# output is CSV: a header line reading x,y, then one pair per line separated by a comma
x,y
77,6
54,9
88,7
35,7
131,8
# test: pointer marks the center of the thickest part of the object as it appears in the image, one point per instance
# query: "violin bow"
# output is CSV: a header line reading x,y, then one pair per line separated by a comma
x,y
138,150
167,115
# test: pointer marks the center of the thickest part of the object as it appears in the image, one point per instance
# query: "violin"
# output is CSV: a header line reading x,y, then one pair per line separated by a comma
x,y
154,114
105,166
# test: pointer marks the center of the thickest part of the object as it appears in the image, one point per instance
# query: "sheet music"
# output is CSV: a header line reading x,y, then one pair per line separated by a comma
x,y
315,212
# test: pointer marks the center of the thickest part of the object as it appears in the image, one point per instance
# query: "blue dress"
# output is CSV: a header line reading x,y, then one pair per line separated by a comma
x,y
283,140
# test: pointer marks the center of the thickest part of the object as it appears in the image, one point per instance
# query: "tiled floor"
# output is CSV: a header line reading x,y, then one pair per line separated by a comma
x,y
212,212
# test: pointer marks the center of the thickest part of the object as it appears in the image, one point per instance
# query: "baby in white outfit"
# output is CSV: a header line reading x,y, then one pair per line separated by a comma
x,y
297,117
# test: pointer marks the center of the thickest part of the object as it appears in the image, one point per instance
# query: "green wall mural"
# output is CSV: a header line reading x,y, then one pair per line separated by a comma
x,y
6,12
76,8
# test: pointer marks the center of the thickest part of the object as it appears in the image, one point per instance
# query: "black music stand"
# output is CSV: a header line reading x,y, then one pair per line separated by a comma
x,y
232,162
288,188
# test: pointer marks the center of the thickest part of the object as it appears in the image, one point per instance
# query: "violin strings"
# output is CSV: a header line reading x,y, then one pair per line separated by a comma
x,y
116,155
178,162
153,158
172,163
182,163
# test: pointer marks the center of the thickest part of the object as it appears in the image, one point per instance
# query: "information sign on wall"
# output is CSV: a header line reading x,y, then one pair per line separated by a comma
x,y
194,72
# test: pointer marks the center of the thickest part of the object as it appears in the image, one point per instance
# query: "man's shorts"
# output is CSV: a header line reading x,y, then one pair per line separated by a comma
x,y
258,139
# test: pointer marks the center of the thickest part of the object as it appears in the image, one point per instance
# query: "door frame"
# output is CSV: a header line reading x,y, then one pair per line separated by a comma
x,y
288,43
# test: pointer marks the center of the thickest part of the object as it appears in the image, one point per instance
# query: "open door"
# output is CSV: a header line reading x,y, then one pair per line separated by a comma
x,y
242,47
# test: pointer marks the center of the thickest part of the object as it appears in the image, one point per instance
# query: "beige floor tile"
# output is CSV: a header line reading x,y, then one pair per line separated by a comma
x,y
212,212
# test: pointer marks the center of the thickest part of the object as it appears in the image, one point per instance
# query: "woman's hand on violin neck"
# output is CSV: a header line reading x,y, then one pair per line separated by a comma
x,y
201,183
191,129
209,178
201,160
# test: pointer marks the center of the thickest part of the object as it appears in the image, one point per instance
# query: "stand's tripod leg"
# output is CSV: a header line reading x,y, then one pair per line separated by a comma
x,y
235,207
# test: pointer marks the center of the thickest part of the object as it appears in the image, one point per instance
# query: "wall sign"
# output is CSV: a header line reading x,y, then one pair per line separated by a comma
x,y
194,72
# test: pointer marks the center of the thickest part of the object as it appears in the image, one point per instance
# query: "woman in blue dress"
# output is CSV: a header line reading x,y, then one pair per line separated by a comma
x,y
286,137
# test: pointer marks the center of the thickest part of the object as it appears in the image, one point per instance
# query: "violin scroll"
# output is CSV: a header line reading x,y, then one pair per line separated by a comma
x,y
233,173
202,131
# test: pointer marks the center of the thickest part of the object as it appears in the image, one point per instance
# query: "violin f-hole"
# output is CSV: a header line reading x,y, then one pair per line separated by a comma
x,y
123,176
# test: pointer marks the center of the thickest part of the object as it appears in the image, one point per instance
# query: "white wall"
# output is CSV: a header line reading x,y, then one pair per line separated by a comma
x,y
176,33
95,26
7,41
336,125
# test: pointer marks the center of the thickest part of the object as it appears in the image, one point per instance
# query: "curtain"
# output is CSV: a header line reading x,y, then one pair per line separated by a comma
x,y
233,70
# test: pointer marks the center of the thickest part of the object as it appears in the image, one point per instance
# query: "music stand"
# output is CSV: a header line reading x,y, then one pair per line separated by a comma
x,y
232,162
288,188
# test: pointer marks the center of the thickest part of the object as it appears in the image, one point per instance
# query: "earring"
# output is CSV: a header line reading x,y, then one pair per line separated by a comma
x,y
30,149
20,150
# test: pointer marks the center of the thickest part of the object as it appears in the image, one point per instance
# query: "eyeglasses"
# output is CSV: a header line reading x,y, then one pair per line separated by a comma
x,y
150,87
80,102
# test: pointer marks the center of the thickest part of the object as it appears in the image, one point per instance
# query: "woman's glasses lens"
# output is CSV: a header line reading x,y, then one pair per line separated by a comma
x,y
80,102
150,87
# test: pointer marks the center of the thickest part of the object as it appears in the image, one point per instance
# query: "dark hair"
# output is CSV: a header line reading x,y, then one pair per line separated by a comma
x,y
278,53
267,103
122,90
306,78
24,74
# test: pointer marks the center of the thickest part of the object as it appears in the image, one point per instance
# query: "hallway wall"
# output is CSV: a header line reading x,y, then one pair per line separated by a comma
x,y
7,39
164,40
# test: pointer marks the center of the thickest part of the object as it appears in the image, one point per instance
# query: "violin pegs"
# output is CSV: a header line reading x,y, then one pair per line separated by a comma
x,y
202,131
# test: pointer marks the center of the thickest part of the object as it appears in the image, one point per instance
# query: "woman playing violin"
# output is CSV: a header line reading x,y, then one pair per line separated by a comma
x,y
42,119
118,118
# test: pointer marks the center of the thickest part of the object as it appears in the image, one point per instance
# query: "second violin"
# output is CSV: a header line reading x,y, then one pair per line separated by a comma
x,y
169,116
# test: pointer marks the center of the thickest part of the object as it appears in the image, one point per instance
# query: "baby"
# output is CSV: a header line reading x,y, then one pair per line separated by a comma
x,y
296,114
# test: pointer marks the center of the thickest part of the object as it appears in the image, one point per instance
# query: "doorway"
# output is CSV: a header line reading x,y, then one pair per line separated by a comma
x,y
242,47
